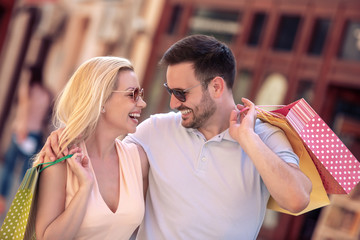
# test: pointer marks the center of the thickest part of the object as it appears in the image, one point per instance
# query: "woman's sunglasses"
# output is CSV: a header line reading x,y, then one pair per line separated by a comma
x,y
136,93
178,93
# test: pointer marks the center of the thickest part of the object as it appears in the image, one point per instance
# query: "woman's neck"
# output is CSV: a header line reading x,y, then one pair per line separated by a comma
x,y
100,145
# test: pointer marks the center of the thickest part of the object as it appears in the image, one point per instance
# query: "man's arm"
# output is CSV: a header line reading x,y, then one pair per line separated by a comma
x,y
287,184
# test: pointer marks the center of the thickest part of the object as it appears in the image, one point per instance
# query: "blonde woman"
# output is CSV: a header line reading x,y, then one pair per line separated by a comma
x,y
98,193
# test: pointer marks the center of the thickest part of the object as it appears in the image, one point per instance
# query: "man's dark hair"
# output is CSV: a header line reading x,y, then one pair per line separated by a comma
x,y
209,56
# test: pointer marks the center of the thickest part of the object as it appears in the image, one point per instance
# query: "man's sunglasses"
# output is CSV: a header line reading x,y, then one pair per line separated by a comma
x,y
136,93
178,93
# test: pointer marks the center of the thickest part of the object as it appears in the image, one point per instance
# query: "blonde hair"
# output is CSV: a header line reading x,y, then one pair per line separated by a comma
x,y
78,106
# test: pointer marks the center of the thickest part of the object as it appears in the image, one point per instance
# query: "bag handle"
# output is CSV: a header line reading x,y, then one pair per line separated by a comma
x,y
54,162
269,113
260,110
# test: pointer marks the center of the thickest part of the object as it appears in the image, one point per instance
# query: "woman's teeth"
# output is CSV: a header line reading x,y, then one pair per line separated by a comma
x,y
134,115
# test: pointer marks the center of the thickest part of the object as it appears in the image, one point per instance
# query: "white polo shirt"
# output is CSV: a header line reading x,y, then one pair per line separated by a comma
x,y
201,189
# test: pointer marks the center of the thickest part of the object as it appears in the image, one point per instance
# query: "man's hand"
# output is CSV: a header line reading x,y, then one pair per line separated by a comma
x,y
242,120
286,183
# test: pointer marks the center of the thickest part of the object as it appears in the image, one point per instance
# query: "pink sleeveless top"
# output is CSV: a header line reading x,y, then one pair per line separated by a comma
x,y
99,221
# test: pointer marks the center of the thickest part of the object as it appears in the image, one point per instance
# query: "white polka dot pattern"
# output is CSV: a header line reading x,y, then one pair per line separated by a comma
x,y
16,219
15,225
325,145
332,153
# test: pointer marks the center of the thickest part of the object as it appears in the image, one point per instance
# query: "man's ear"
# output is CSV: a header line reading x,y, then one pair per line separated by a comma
x,y
217,86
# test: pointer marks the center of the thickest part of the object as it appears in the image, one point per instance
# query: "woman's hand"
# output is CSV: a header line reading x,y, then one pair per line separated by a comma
x,y
53,219
80,165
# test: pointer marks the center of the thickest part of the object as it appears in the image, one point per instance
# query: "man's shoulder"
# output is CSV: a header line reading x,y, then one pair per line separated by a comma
x,y
155,127
261,126
265,129
164,118
168,115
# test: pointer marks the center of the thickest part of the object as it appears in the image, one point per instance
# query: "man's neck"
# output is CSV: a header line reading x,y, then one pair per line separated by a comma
x,y
218,122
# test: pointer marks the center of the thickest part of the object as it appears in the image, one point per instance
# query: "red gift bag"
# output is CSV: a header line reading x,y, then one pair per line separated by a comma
x,y
338,168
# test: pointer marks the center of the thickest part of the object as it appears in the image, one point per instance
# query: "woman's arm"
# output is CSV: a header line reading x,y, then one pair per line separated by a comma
x,y
53,221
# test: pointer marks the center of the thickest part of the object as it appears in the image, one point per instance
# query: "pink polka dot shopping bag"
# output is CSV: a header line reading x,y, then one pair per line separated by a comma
x,y
329,164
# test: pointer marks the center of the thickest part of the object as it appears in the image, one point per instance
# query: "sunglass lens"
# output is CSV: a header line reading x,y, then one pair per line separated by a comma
x,y
136,94
141,93
179,95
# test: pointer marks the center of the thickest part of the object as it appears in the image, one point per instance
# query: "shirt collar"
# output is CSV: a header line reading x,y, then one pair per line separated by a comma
x,y
225,135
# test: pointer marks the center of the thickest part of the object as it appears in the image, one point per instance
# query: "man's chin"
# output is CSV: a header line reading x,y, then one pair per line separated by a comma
x,y
187,123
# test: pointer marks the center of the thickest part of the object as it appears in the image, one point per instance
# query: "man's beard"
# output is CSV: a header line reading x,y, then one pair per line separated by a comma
x,y
201,113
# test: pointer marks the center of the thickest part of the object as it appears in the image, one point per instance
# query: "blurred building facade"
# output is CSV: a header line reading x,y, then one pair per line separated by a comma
x,y
285,50
59,35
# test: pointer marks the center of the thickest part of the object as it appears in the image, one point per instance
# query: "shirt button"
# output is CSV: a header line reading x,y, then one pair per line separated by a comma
x,y
203,159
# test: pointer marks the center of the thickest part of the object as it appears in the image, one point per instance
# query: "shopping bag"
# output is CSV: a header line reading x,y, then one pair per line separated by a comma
x,y
318,196
19,222
338,168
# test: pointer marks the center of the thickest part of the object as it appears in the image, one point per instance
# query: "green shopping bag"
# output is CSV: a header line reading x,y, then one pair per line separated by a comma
x,y
19,222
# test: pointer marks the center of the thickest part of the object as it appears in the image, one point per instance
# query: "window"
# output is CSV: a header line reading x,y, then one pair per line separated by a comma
x,y
305,90
286,33
350,48
2,13
155,94
273,90
346,119
256,29
175,19
318,36
221,24
242,85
